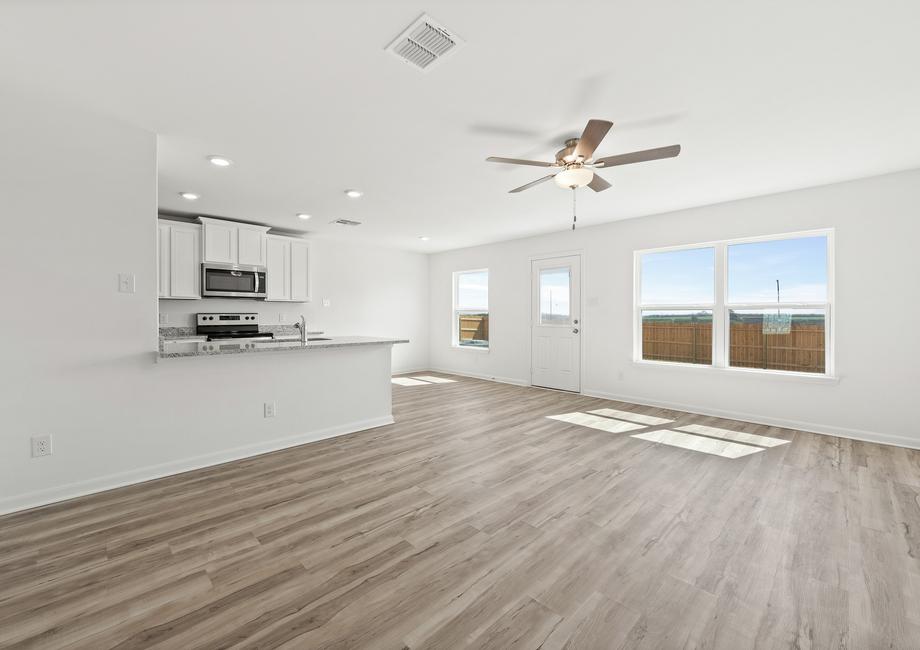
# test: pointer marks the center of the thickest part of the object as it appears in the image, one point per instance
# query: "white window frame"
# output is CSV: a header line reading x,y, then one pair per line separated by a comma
x,y
721,308
456,310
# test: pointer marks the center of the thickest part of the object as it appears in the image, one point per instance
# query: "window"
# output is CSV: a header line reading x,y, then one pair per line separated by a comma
x,y
677,304
758,304
471,309
555,289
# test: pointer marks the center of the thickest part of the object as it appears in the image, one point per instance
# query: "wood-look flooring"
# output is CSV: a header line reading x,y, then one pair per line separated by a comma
x,y
476,521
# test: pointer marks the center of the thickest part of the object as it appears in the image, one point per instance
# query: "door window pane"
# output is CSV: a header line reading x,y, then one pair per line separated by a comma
x,y
777,339
684,277
554,296
681,335
800,266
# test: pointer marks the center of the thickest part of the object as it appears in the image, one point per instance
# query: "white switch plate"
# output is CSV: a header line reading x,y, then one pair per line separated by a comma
x,y
126,283
269,409
41,446
164,319
327,302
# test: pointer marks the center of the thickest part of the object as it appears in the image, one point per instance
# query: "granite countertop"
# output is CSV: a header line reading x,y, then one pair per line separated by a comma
x,y
171,348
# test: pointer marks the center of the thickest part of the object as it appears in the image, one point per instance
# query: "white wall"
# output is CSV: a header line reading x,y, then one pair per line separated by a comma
x,y
78,203
877,310
373,291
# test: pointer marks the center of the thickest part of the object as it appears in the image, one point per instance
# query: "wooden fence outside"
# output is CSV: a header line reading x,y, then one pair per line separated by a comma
x,y
474,327
801,350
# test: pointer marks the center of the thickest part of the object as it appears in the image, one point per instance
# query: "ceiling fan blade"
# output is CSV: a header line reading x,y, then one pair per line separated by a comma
x,y
638,156
530,184
518,161
591,137
598,184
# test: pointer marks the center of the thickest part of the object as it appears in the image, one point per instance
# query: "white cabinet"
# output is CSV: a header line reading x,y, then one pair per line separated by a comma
x,y
277,269
220,242
163,259
179,256
287,269
229,242
251,245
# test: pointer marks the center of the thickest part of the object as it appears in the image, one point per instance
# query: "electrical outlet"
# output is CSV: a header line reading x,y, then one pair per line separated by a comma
x,y
327,302
620,375
164,319
41,446
269,409
126,283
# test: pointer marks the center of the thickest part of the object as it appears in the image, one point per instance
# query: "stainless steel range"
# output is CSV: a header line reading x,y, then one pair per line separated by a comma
x,y
238,327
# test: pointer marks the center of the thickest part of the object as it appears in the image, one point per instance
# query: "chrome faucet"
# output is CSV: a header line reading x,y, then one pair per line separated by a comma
x,y
302,326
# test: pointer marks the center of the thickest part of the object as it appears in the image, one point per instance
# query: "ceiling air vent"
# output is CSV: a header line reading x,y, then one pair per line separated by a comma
x,y
347,222
424,43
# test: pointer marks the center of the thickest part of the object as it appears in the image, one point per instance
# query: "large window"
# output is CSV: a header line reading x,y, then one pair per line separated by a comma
x,y
758,304
471,309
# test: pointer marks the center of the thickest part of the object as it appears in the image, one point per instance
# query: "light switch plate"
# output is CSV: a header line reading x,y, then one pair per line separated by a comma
x,y
269,409
126,282
164,319
327,302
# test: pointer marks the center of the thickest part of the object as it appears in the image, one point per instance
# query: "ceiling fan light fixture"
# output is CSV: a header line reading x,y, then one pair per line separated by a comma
x,y
574,177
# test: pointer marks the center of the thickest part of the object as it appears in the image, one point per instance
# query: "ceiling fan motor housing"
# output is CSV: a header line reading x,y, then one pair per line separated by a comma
x,y
567,154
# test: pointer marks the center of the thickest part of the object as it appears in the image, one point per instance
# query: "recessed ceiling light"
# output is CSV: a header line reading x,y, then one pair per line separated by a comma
x,y
189,196
303,215
424,237
354,194
220,161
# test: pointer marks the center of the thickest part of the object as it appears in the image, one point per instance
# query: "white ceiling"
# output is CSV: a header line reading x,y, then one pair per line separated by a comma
x,y
764,97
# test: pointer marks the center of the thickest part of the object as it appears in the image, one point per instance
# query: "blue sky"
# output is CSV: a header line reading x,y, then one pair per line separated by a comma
x,y
473,290
686,276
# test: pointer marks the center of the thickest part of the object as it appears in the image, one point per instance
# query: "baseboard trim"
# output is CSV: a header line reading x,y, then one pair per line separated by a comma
x,y
121,479
500,380
811,427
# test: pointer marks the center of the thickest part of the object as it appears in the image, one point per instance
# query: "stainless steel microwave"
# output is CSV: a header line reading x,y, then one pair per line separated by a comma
x,y
232,281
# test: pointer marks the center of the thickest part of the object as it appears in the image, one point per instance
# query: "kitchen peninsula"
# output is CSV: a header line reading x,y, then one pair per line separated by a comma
x,y
178,348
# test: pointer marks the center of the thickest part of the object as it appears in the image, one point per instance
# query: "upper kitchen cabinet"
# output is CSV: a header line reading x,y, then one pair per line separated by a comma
x,y
229,242
179,254
287,269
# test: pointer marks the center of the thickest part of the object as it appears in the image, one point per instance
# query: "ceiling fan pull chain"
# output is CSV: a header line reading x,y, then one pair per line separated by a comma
x,y
574,217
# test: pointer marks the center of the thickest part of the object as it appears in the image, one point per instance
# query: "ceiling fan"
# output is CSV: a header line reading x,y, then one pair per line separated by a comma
x,y
575,166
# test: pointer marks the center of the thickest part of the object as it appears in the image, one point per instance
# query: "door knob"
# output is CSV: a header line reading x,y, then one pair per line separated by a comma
x,y
575,331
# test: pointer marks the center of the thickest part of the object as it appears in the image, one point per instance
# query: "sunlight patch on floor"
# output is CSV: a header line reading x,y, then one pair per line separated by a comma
x,y
723,448
737,436
650,420
596,422
406,381
435,380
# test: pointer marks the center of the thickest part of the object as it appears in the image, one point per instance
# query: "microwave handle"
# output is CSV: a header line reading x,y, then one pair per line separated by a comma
x,y
257,281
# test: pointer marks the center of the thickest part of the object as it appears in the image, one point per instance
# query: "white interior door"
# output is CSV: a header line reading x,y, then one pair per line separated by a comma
x,y
556,323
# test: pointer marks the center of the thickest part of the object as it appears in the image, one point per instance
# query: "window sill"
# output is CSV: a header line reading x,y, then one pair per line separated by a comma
x,y
781,375
471,348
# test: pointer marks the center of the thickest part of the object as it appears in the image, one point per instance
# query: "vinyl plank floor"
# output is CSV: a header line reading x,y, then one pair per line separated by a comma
x,y
488,516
